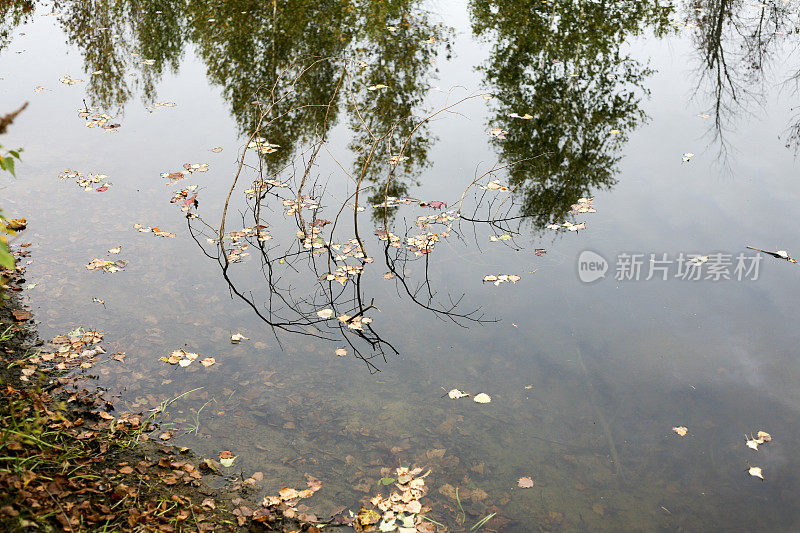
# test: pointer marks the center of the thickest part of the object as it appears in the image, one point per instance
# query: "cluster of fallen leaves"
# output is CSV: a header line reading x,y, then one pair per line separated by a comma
x,y
184,198
69,476
88,182
155,231
68,80
569,226
501,278
94,119
106,265
762,437
402,509
356,322
183,358
261,145
77,349
295,205
286,503
455,394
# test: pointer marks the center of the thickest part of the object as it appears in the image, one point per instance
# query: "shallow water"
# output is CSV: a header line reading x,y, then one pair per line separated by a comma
x,y
611,366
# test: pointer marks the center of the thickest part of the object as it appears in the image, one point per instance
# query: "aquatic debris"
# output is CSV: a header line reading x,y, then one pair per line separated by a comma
x,y
454,394
216,149
155,231
779,254
208,361
116,250
498,133
86,183
377,87
761,438
183,199
495,185
98,300
288,499
569,226
433,204
77,349
162,104
106,266
525,482
341,352
755,471
503,237
16,224
482,397
181,357
583,205
38,89
195,167
226,458
95,119
680,430
261,145
236,338
325,313
540,252
526,116
173,176
67,80
687,156
501,278
395,159
402,509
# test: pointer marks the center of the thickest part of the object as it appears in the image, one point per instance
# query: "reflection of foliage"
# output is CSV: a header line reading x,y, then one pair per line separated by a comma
x,y
12,14
561,63
736,41
396,49
254,50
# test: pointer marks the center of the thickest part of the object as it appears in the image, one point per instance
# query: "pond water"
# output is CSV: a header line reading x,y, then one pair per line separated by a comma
x,y
678,119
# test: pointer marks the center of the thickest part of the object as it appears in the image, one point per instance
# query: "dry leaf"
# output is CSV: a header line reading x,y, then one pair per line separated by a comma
x,y
116,250
325,313
454,394
208,361
236,338
482,398
680,430
341,352
763,436
525,482
756,472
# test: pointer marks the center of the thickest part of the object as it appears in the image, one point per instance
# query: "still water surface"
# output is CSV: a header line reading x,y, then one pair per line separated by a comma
x,y
586,380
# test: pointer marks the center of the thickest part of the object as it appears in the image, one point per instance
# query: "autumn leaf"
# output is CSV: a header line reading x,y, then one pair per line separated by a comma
x,y
236,338
756,471
525,482
454,394
482,398
680,430
325,313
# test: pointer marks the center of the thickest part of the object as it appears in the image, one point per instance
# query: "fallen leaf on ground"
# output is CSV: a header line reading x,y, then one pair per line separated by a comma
x,y
525,482
21,314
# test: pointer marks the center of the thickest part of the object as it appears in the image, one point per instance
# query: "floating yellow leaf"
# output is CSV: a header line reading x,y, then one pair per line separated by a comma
x,y
756,472
236,338
680,430
341,352
482,398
